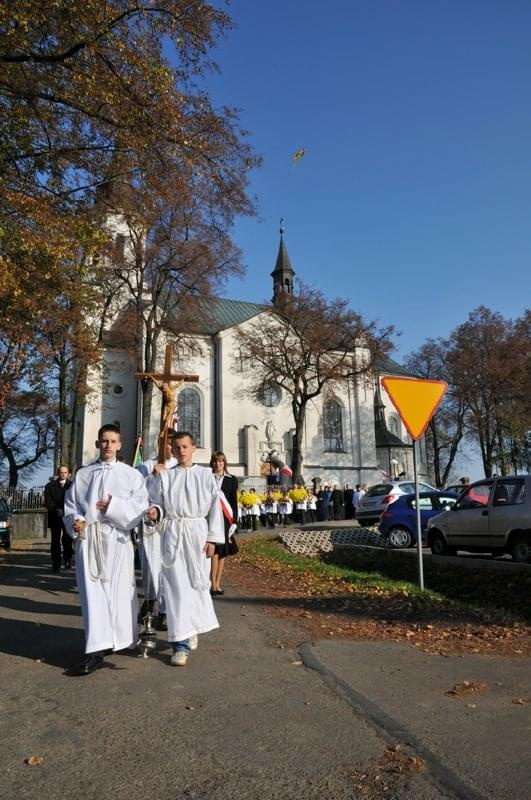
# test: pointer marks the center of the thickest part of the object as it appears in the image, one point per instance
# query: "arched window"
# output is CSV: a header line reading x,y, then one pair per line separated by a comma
x,y
333,426
393,426
189,413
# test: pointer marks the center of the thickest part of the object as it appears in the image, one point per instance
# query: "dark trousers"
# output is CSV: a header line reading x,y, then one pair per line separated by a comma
x,y
60,536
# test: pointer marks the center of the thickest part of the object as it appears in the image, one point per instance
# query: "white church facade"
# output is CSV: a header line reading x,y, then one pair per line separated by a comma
x,y
351,436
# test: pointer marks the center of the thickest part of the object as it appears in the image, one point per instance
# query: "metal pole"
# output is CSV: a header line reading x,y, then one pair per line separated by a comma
x,y
419,523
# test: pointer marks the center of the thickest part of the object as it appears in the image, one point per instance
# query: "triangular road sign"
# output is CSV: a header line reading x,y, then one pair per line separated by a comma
x,y
416,400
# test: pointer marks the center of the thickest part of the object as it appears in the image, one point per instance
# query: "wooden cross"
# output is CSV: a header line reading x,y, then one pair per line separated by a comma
x,y
169,384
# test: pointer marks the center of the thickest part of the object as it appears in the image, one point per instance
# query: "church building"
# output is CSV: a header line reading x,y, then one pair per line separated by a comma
x,y
351,436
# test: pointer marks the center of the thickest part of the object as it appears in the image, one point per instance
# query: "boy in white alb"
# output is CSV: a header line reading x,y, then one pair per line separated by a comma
x,y
106,500
185,505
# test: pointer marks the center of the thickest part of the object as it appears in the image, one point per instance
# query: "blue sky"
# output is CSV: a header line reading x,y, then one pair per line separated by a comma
x,y
413,198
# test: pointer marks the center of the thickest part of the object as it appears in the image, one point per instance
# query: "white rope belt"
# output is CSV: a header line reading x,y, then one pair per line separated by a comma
x,y
96,552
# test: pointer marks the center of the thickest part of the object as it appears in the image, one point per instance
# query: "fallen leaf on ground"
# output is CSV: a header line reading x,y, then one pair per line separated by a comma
x,y
466,688
34,761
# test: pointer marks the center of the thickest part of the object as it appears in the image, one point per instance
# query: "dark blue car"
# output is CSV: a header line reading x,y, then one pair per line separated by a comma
x,y
398,523
5,525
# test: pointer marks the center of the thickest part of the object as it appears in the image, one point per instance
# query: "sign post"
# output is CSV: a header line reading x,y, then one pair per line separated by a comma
x,y
416,401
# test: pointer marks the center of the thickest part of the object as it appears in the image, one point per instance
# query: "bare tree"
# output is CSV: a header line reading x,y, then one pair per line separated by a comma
x,y
307,344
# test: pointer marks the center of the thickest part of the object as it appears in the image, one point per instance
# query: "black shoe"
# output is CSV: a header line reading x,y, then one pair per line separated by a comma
x,y
89,665
56,568
162,623
68,564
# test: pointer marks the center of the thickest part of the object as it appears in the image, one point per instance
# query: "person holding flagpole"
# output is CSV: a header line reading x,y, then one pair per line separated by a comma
x,y
228,485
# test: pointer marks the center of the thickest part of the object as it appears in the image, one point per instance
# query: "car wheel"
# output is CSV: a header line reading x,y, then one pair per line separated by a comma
x,y
399,537
521,549
438,545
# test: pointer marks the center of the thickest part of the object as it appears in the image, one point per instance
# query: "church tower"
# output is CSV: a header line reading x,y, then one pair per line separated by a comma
x,y
283,273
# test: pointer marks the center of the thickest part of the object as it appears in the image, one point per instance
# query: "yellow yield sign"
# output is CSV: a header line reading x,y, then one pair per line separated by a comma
x,y
416,400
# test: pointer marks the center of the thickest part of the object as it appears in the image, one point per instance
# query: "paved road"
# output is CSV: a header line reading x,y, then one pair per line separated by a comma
x,y
257,713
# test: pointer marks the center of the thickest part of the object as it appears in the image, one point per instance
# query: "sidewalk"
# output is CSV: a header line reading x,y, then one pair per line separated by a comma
x,y
257,713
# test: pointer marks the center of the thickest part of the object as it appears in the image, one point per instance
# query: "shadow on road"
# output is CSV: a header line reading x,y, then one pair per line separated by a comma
x,y
37,641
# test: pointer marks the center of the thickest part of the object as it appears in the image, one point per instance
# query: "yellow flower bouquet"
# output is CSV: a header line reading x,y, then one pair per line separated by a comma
x,y
248,499
298,495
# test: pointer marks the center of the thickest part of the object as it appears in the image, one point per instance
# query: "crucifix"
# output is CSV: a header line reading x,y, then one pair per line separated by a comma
x,y
169,384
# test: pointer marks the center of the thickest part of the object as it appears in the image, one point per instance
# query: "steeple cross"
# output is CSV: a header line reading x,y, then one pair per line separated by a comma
x,y
168,383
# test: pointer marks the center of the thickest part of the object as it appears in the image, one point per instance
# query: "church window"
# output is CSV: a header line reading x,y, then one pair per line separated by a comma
x,y
189,413
270,394
393,427
333,426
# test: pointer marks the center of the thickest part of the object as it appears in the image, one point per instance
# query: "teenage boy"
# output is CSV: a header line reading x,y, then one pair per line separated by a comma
x,y
106,500
185,501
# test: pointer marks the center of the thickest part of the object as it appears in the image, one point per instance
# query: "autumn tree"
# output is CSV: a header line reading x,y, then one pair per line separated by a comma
x,y
307,344
446,429
109,93
488,359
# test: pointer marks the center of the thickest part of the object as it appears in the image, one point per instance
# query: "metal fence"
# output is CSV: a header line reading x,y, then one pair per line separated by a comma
x,y
23,499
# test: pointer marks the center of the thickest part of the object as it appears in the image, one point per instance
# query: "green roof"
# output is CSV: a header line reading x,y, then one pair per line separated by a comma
x,y
385,364
219,313
223,313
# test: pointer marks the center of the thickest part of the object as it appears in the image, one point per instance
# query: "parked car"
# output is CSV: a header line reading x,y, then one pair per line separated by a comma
x,y
456,488
492,515
377,498
398,523
5,525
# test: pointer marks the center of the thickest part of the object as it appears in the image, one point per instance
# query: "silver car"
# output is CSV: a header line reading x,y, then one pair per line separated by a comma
x,y
493,515
377,498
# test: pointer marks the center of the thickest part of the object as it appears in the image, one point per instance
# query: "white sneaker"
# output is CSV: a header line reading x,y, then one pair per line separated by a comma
x,y
179,659
193,642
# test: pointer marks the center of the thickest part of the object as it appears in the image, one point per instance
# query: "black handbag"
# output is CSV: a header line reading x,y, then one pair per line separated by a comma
x,y
233,546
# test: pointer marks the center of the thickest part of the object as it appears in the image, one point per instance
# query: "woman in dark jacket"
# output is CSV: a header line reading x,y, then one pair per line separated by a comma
x,y
229,485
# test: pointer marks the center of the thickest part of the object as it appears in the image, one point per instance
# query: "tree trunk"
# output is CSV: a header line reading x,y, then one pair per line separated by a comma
x,y
13,467
62,454
299,411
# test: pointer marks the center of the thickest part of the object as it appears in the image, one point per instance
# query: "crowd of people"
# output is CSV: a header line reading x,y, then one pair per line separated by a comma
x,y
298,506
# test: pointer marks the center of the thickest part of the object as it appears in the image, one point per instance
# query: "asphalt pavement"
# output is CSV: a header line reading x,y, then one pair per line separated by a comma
x,y
258,712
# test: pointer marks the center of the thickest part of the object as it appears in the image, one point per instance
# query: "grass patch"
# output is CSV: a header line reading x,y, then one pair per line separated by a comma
x,y
378,577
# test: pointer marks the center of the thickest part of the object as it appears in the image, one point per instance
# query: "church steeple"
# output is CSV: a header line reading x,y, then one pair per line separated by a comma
x,y
283,273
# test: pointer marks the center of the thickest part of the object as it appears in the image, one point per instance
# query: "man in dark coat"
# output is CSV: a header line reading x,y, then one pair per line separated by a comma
x,y
54,498
348,494
337,502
